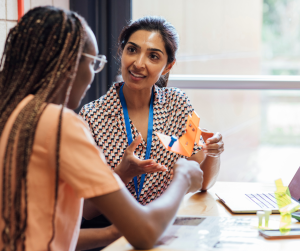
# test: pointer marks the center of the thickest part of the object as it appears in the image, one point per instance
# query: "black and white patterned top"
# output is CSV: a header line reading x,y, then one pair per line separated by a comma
x,y
106,120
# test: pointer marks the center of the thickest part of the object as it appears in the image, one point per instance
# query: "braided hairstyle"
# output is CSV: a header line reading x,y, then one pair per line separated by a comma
x,y
40,57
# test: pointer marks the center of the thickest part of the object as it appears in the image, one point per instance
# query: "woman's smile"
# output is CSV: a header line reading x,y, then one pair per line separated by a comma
x,y
136,76
144,59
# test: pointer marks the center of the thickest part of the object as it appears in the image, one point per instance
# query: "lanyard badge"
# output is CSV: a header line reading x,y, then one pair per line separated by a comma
x,y
129,136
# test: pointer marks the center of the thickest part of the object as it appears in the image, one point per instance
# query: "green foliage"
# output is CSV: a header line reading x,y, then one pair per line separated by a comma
x,y
281,29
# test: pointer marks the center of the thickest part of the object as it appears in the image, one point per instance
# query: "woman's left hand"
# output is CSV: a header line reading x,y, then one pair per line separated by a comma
x,y
214,145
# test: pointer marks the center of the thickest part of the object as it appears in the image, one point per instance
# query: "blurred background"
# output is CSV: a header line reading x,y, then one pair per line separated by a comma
x,y
247,38
261,128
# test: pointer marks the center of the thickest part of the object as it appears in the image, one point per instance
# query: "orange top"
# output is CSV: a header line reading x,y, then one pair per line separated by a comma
x,y
83,174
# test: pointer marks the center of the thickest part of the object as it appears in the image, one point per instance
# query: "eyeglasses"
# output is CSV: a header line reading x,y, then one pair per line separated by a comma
x,y
99,61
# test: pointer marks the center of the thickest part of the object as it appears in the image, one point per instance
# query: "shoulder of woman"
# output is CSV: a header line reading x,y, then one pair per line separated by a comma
x,y
104,106
71,120
172,94
95,106
56,109
92,106
50,117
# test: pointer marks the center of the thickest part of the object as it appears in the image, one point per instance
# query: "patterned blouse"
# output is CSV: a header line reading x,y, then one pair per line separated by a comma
x,y
106,120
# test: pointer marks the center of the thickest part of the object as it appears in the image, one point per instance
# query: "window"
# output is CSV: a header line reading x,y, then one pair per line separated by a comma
x,y
230,52
232,37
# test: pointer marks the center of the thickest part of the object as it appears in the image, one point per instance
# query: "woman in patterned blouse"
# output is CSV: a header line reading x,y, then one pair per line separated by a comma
x,y
49,161
147,49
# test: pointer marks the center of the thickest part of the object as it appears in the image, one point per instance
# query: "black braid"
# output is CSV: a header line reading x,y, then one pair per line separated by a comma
x,y
40,57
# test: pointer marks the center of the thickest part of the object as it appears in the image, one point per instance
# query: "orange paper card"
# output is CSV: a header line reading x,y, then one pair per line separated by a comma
x,y
185,144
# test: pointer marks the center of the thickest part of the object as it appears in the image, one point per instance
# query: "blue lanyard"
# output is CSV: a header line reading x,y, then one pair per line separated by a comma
x,y
129,136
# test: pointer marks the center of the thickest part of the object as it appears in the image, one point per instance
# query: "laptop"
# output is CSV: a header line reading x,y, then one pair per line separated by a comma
x,y
254,201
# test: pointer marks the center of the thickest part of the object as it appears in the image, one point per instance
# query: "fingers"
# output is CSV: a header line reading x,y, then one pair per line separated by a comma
x,y
135,143
214,139
214,153
148,166
214,149
195,174
155,168
144,163
214,146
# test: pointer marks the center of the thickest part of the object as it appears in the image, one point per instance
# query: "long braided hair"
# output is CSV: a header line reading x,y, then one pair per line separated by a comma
x,y
40,57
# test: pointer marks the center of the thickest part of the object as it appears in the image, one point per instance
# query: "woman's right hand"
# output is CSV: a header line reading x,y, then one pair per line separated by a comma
x,y
132,166
192,171
148,222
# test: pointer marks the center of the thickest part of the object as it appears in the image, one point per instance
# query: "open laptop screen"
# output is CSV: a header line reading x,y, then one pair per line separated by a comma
x,y
294,186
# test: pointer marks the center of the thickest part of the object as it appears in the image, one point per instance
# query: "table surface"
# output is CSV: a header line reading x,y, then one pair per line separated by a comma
x,y
207,204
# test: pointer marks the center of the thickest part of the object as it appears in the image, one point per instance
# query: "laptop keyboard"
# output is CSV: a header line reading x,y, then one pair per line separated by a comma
x,y
264,200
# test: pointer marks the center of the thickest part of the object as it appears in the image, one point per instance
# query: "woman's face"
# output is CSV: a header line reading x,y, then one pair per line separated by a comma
x,y
85,73
144,60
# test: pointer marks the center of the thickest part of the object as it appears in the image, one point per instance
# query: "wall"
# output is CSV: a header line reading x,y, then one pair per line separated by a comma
x,y
216,36
9,14
219,37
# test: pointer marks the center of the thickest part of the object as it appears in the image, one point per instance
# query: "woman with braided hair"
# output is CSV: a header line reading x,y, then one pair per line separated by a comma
x,y
49,161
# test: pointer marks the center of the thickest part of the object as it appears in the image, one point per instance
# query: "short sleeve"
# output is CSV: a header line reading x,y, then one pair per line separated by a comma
x,y
184,109
82,163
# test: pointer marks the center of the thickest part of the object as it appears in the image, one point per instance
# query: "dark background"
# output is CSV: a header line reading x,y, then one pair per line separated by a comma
x,y
106,18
